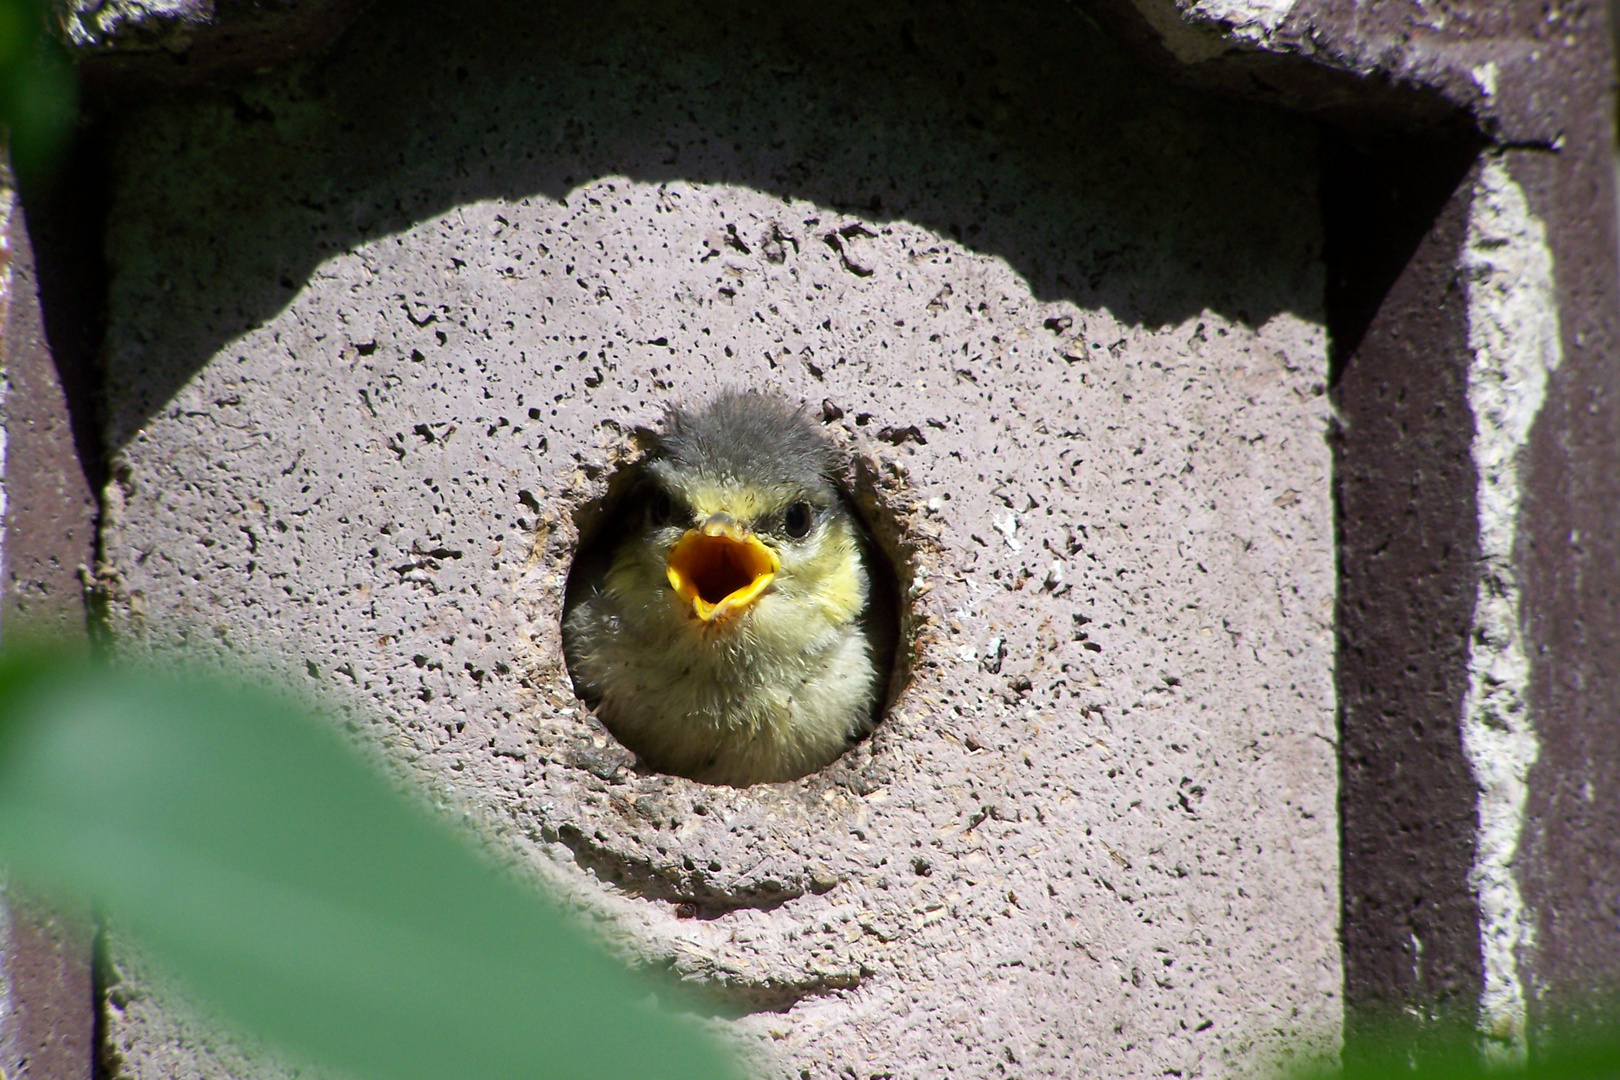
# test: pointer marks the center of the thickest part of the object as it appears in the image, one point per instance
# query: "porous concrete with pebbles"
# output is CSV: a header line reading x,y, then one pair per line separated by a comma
x,y
378,346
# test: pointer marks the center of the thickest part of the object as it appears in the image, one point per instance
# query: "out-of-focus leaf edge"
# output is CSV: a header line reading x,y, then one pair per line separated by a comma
x,y
251,855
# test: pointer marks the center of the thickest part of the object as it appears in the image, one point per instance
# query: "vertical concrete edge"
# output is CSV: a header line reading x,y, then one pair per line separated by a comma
x,y
1406,486
47,516
1569,556
1513,338
8,203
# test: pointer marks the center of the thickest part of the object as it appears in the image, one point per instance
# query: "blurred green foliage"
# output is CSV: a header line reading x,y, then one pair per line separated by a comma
x,y
38,99
249,852
1404,1046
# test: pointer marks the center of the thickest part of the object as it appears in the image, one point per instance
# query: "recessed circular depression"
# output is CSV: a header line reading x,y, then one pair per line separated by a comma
x,y
731,614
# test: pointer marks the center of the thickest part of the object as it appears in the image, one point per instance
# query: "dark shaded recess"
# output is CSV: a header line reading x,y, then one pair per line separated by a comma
x,y
1380,198
54,461
1396,218
823,102
66,212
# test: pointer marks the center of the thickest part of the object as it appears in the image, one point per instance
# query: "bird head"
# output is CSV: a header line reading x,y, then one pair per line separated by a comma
x,y
740,506
724,625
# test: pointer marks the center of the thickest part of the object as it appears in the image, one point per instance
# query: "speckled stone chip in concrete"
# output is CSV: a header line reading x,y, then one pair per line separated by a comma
x,y
383,328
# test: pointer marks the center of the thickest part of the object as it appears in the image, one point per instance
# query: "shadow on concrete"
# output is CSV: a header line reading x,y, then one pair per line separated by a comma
x,y
1022,131
1408,547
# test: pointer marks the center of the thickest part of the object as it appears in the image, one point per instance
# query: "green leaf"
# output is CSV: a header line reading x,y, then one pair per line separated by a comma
x,y
38,93
248,850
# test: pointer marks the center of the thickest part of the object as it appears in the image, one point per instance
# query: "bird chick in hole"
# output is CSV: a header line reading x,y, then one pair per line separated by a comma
x,y
727,627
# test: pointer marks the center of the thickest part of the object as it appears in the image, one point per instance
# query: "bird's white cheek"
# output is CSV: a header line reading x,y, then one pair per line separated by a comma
x,y
797,616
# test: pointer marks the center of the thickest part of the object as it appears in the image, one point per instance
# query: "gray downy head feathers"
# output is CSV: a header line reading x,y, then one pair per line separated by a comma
x,y
750,437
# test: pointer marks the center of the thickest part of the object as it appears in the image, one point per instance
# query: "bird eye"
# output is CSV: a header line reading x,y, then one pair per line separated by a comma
x,y
797,520
659,510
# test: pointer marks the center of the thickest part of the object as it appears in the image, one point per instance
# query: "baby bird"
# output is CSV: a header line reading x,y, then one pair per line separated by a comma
x,y
731,636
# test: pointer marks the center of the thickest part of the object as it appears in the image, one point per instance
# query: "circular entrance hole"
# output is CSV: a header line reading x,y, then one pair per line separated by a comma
x,y
733,612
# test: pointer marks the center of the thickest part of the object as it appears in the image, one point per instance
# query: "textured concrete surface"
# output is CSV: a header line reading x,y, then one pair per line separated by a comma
x,y
1406,490
48,510
47,998
1514,337
1205,29
47,539
378,342
1465,523
120,44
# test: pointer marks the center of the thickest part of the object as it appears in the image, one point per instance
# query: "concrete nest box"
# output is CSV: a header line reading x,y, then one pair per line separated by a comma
x,y
383,327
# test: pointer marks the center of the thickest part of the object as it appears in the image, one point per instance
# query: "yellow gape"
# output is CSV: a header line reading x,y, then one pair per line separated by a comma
x,y
718,568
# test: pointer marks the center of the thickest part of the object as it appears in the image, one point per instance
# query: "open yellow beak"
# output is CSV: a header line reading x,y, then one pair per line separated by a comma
x,y
719,568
